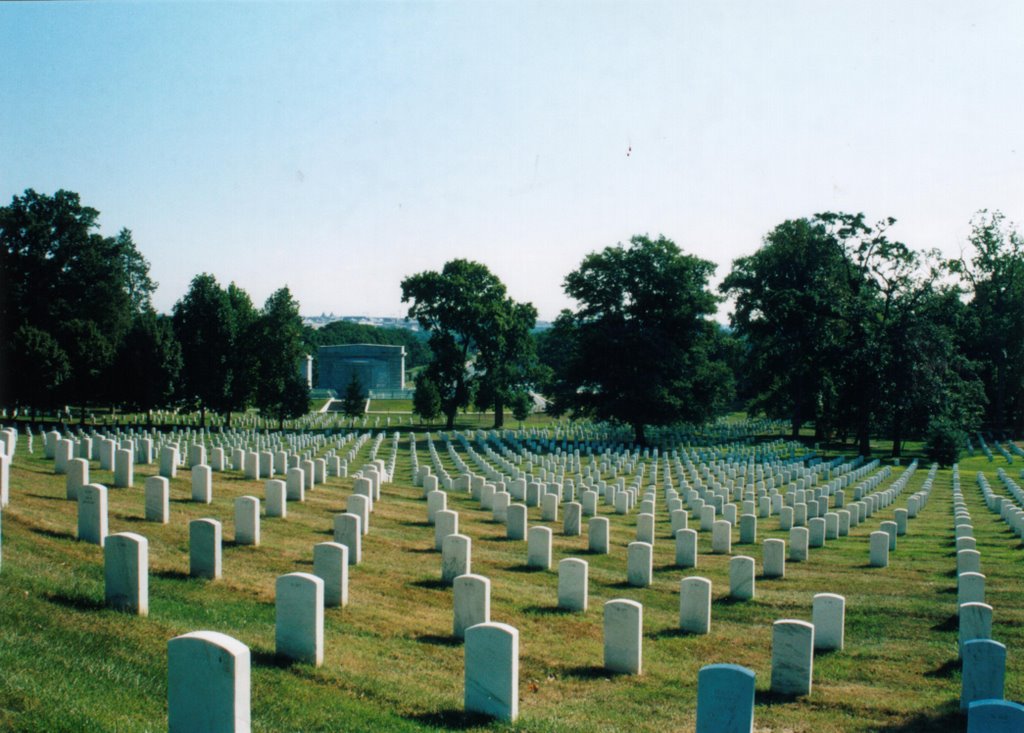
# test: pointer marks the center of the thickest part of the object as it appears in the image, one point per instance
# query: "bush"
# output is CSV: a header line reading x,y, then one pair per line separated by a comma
x,y
944,441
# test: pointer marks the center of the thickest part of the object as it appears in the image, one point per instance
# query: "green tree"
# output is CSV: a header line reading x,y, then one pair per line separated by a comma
x,y
149,363
202,325
355,397
39,368
426,399
507,363
460,307
790,301
994,333
522,406
63,278
944,441
640,347
242,358
280,391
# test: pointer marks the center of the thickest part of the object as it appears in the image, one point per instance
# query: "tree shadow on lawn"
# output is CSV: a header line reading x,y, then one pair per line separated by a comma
x,y
438,640
416,524
46,498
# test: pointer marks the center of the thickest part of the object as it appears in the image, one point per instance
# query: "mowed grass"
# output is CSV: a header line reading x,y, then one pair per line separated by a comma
x,y
69,664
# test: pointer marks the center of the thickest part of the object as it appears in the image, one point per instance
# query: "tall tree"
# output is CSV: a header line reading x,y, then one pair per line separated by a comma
x,y
994,275
280,391
640,347
355,397
242,357
508,363
790,299
63,278
460,306
202,325
148,366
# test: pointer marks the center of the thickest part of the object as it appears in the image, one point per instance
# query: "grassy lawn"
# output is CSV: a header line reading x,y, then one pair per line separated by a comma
x,y
69,664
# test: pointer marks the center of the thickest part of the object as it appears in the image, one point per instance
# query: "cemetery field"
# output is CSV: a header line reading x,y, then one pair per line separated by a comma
x,y
390,660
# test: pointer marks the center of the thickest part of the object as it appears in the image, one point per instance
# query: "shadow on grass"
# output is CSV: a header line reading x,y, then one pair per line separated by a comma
x,y
78,603
950,624
524,569
416,524
671,632
498,538
589,672
946,591
439,640
768,697
269,659
730,601
549,611
46,498
451,719
431,584
622,585
423,550
170,574
948,717
54,533
945,671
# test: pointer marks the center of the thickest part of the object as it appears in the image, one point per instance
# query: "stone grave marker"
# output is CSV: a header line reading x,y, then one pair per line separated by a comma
x,y
208,683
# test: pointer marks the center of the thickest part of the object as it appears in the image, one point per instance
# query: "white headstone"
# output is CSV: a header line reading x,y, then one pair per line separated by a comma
x,y
92,514
126,572
202,484
158,499
623,636
456,557
492,671
725,699
299,630
597,535
741,578
204,541
348,532
695,605
573,584
330,564
207,683
792,657
472,603
828,614
538,548
277,498
639,564
247,520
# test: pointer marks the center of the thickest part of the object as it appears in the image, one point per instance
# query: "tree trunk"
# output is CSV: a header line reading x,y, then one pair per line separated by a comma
x,y
499,414
449,418
229,419
202,416
863,441
897,436
638,434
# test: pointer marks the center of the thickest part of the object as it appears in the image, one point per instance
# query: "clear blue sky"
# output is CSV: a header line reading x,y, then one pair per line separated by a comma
x,y
338,147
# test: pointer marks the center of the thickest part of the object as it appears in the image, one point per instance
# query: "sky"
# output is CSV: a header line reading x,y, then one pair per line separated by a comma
x,y
339,147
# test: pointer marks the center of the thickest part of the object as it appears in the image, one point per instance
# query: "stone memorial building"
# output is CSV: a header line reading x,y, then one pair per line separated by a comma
x,y
378,367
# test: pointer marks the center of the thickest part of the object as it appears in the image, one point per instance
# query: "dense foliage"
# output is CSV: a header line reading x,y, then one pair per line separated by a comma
x,y
834,325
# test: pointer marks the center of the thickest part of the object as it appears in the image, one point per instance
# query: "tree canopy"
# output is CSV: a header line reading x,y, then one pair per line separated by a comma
x,y
641,347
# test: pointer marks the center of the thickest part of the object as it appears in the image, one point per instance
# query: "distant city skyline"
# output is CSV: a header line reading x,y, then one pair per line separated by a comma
x,y
337,147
